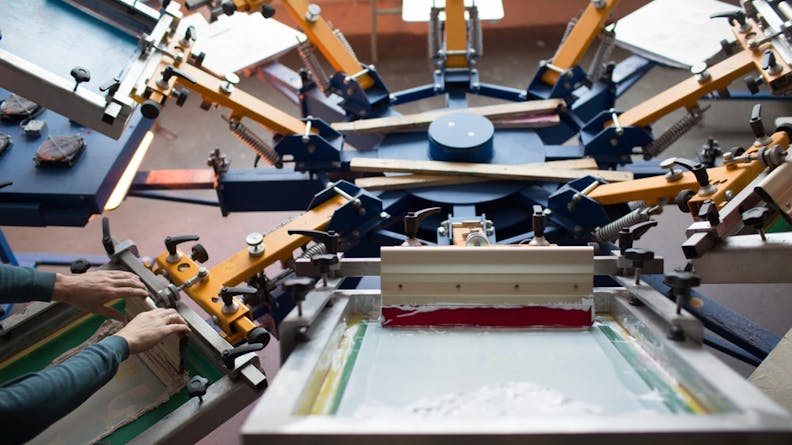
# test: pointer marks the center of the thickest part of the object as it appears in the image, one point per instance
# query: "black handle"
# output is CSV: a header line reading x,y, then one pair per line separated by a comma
x,y
198,253
329,239
539,221
170,71
680,279
628,235
698,170
755,217
229,355
190,33
298,288
196,387
736,15
412,220
757,127
172,241
323,262
80,265
80,75
639,256
768,60
709,212
228,293
110,87
267,11
107,240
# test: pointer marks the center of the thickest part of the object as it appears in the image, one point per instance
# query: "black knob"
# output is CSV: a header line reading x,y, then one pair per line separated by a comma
x,y
80,265
80,75
757,127
628,235
329,239
259,336
412,220
150,109
324,262
198,253
681,280
755,216
196,387
190,33
727,47
683,198
228,7
709,212
181,96
753,83
539,221
227,294
198,58
298,288
639,256
267,11
769,60
229,355
172,241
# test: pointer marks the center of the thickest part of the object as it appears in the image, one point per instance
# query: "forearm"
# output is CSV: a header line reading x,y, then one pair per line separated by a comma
x,y
19,284
33,402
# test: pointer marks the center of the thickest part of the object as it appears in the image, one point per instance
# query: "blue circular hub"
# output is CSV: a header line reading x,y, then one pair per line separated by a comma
x,y
461,137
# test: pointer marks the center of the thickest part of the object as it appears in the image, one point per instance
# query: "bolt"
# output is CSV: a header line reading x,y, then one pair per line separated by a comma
x,y
229,81
673,173
700,71
312,13
441,231
599,4
728,195
255,242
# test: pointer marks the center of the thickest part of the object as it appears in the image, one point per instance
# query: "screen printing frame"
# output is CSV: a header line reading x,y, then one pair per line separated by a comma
x,y
107,114
751,416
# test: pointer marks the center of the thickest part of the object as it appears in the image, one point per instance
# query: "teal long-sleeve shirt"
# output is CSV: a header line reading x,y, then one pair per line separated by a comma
x,y
33,402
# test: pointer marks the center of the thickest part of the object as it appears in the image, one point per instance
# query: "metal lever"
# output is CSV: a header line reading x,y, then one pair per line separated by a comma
x,y
412,223
330,238
757,126
709,212
227,294
107,240
702,177
734,16
229,355
169,72
628,235
172,241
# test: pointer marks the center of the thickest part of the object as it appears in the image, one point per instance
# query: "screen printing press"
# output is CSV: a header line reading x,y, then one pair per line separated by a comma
x,y
503,344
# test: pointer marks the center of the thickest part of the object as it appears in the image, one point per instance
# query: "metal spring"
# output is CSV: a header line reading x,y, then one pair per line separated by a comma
x,y
308,56
246,135
434,36
610,232
476,41
607,41
671,135
344,42
570,26
316,249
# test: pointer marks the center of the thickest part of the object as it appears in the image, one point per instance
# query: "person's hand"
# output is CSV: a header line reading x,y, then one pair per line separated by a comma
x,y
149,328
92,290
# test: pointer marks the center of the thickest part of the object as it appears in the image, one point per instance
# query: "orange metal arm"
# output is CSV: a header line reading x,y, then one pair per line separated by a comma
x,y
240,267
321,35
456,34
658,190
579,39
686,93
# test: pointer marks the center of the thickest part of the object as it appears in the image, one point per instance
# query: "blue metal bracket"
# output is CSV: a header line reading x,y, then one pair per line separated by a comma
x,y
357,101
568,82
614,144
574,211
312,151
361,213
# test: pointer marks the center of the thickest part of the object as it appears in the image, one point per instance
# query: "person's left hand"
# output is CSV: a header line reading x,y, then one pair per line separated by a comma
x,y
92,290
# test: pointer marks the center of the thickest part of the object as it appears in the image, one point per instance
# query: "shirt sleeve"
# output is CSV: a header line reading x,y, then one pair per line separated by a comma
x,y
20,284
33,402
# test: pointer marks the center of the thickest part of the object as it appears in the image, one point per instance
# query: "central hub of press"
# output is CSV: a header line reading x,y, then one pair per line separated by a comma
x,y
461,137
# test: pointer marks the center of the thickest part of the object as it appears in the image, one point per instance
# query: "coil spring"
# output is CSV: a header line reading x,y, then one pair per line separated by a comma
x,y
246,135
316,249
476,42
610,232
607,41
308,56
570,26
344,42
671,135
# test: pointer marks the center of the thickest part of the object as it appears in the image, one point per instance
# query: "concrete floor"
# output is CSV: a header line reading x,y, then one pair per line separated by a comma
x,y
510,58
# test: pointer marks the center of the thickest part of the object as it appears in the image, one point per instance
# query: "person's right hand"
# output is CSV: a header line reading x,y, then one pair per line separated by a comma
x,y
148,328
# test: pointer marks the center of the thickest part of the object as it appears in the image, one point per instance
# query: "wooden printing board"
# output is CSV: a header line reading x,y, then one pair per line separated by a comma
x,y
42,354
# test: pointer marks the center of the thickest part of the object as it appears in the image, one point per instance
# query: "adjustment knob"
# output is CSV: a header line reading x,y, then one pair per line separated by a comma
x,y
80,75
756,218
639,256
681,280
